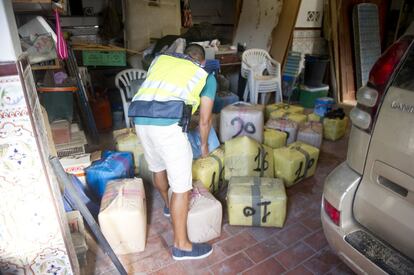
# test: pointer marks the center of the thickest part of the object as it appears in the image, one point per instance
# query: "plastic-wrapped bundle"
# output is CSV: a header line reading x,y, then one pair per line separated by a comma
x,y
274,138
314,117
87,197
126,140
123,215
295,162
283,106
334,129
284,125
241,119
204,215
311,133
244,156
256,201
112,165
209,170
195,141
298,118
223,99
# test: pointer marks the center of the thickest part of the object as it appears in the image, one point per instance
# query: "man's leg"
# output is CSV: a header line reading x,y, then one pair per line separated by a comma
x,y
161,183
179,212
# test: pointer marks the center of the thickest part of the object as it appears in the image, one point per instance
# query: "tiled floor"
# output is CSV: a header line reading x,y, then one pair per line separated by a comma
x,y
298,248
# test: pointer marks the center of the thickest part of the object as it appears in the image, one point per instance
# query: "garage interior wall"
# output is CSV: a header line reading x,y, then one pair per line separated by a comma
x,y
145,20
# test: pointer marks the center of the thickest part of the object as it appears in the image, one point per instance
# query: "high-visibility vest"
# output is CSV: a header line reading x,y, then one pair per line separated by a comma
x,y
171,79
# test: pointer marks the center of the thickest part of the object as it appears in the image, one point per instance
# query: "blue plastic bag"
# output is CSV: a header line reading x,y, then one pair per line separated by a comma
x,y
85,194
195,140
222,100
112,165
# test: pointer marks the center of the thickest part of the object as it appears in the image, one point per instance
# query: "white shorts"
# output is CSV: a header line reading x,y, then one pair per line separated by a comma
x,y
168,148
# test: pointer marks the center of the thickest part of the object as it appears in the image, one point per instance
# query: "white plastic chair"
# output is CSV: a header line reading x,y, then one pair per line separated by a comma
x,y
254,63
123,83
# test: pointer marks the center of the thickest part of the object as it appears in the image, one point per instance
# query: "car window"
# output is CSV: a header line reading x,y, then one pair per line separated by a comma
x,y
405,77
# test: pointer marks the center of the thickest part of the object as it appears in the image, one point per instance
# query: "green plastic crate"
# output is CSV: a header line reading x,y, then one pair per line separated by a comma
x,y
104,58
308,95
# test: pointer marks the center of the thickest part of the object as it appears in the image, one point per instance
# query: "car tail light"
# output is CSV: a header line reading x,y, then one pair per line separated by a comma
x,y
332,212
369,97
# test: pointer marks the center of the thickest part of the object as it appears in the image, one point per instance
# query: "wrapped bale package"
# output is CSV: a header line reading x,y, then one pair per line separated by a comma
x,y
314,117
223,99
244,156
284,125
112,165
256,201
283,106
241,119
298,118
334,128
204,215
195,141
295,162
274,138
209,170
311,133
126,140
123,216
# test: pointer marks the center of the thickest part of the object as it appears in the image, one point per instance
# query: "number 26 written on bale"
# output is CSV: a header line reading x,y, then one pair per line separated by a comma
x,y
247,127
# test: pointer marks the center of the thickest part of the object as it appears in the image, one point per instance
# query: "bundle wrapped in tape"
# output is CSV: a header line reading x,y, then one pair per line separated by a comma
x,y
126,140
256,201
204,214
311,133
209,170
244,156
295,162
241,119
334,128
274,138
284,125
298,118
314,117
282,106
123,215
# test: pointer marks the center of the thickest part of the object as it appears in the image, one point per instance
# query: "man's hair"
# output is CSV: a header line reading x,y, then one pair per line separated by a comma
x,y
196,52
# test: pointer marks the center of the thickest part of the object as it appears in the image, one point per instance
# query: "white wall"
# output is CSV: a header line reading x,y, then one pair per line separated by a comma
x,y
143,22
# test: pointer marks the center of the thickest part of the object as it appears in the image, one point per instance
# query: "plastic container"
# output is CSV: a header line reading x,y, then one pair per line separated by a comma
x,y
209,170
76,165
241,119
59,105
255,201
112,165
311,133
308,95
205,215
295,162
315,67
123,216
284,125
244,156
104,58
195,141
60,131
323,105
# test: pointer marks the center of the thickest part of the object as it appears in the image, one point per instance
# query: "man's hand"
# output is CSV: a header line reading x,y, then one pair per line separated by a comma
x,y
204,151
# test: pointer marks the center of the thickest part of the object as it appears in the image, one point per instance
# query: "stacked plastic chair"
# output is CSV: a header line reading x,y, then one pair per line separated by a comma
x,y
262,74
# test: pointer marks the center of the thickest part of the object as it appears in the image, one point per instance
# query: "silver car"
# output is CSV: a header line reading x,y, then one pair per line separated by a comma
x,y
368,201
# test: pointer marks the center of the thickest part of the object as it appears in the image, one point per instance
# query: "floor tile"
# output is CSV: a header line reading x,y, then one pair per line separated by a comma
x,y
341,269
232,265
174,268
262,233
264,249
196,265
152,262
237,243
300,270
322,262
234,229
317,240
268,267
292,234
294,255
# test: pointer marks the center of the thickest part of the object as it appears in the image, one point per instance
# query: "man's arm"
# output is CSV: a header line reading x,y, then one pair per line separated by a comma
x,y
206,108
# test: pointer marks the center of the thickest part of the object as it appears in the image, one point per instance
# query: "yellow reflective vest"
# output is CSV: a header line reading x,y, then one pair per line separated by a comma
x,y
172,78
